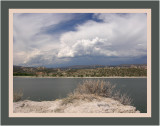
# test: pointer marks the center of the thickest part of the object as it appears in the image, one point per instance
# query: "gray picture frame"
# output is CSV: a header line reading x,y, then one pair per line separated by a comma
x,y
153,5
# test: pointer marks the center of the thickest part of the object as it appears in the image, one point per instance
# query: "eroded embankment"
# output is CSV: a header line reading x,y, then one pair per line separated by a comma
x,y
94,105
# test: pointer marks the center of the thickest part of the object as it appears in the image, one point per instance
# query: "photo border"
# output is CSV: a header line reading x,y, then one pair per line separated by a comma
x,y
131,11
153,5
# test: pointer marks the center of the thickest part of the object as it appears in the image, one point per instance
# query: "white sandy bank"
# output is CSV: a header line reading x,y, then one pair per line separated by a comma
x,y
97,105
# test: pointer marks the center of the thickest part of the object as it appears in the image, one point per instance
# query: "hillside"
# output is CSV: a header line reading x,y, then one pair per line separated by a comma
x,y
82,71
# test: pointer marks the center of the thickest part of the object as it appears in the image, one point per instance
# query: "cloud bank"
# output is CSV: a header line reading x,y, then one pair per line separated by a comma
x,y
109,38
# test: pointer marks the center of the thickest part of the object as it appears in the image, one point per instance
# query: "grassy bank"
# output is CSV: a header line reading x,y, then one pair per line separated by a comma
x,y
81,77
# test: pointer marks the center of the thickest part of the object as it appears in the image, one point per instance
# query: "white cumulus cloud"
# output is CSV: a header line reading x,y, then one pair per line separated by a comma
x,y
30,39
104,35
117,35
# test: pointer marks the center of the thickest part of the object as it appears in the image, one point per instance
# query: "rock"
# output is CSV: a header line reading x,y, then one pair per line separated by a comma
x,y
100,105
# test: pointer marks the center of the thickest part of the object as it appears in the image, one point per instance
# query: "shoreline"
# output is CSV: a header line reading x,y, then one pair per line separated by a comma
x,y
78,77
98,105
90,97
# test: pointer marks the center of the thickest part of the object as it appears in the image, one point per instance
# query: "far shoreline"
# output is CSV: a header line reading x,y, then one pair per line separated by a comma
x,y
80,77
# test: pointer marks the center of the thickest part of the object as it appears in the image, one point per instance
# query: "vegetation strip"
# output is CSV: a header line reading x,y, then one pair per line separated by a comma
x,y
123,71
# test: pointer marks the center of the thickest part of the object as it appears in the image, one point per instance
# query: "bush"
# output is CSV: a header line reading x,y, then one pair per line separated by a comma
x,y
122,98
100,88
17,95
89,89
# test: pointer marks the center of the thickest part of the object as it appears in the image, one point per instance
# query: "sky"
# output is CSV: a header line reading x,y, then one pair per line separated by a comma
x,y
67,39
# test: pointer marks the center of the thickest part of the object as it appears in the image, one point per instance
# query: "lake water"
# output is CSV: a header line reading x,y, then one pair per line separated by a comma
x,y
39,89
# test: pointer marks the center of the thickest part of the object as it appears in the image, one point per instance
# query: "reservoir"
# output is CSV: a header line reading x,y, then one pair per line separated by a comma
x,y
46,89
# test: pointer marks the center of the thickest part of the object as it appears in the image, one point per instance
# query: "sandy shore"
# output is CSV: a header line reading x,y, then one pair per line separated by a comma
x,y
78,77
96,105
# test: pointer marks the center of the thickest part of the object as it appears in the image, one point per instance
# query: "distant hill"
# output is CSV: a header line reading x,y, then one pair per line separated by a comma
x,y
83,71
84,67
129,65
34,69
